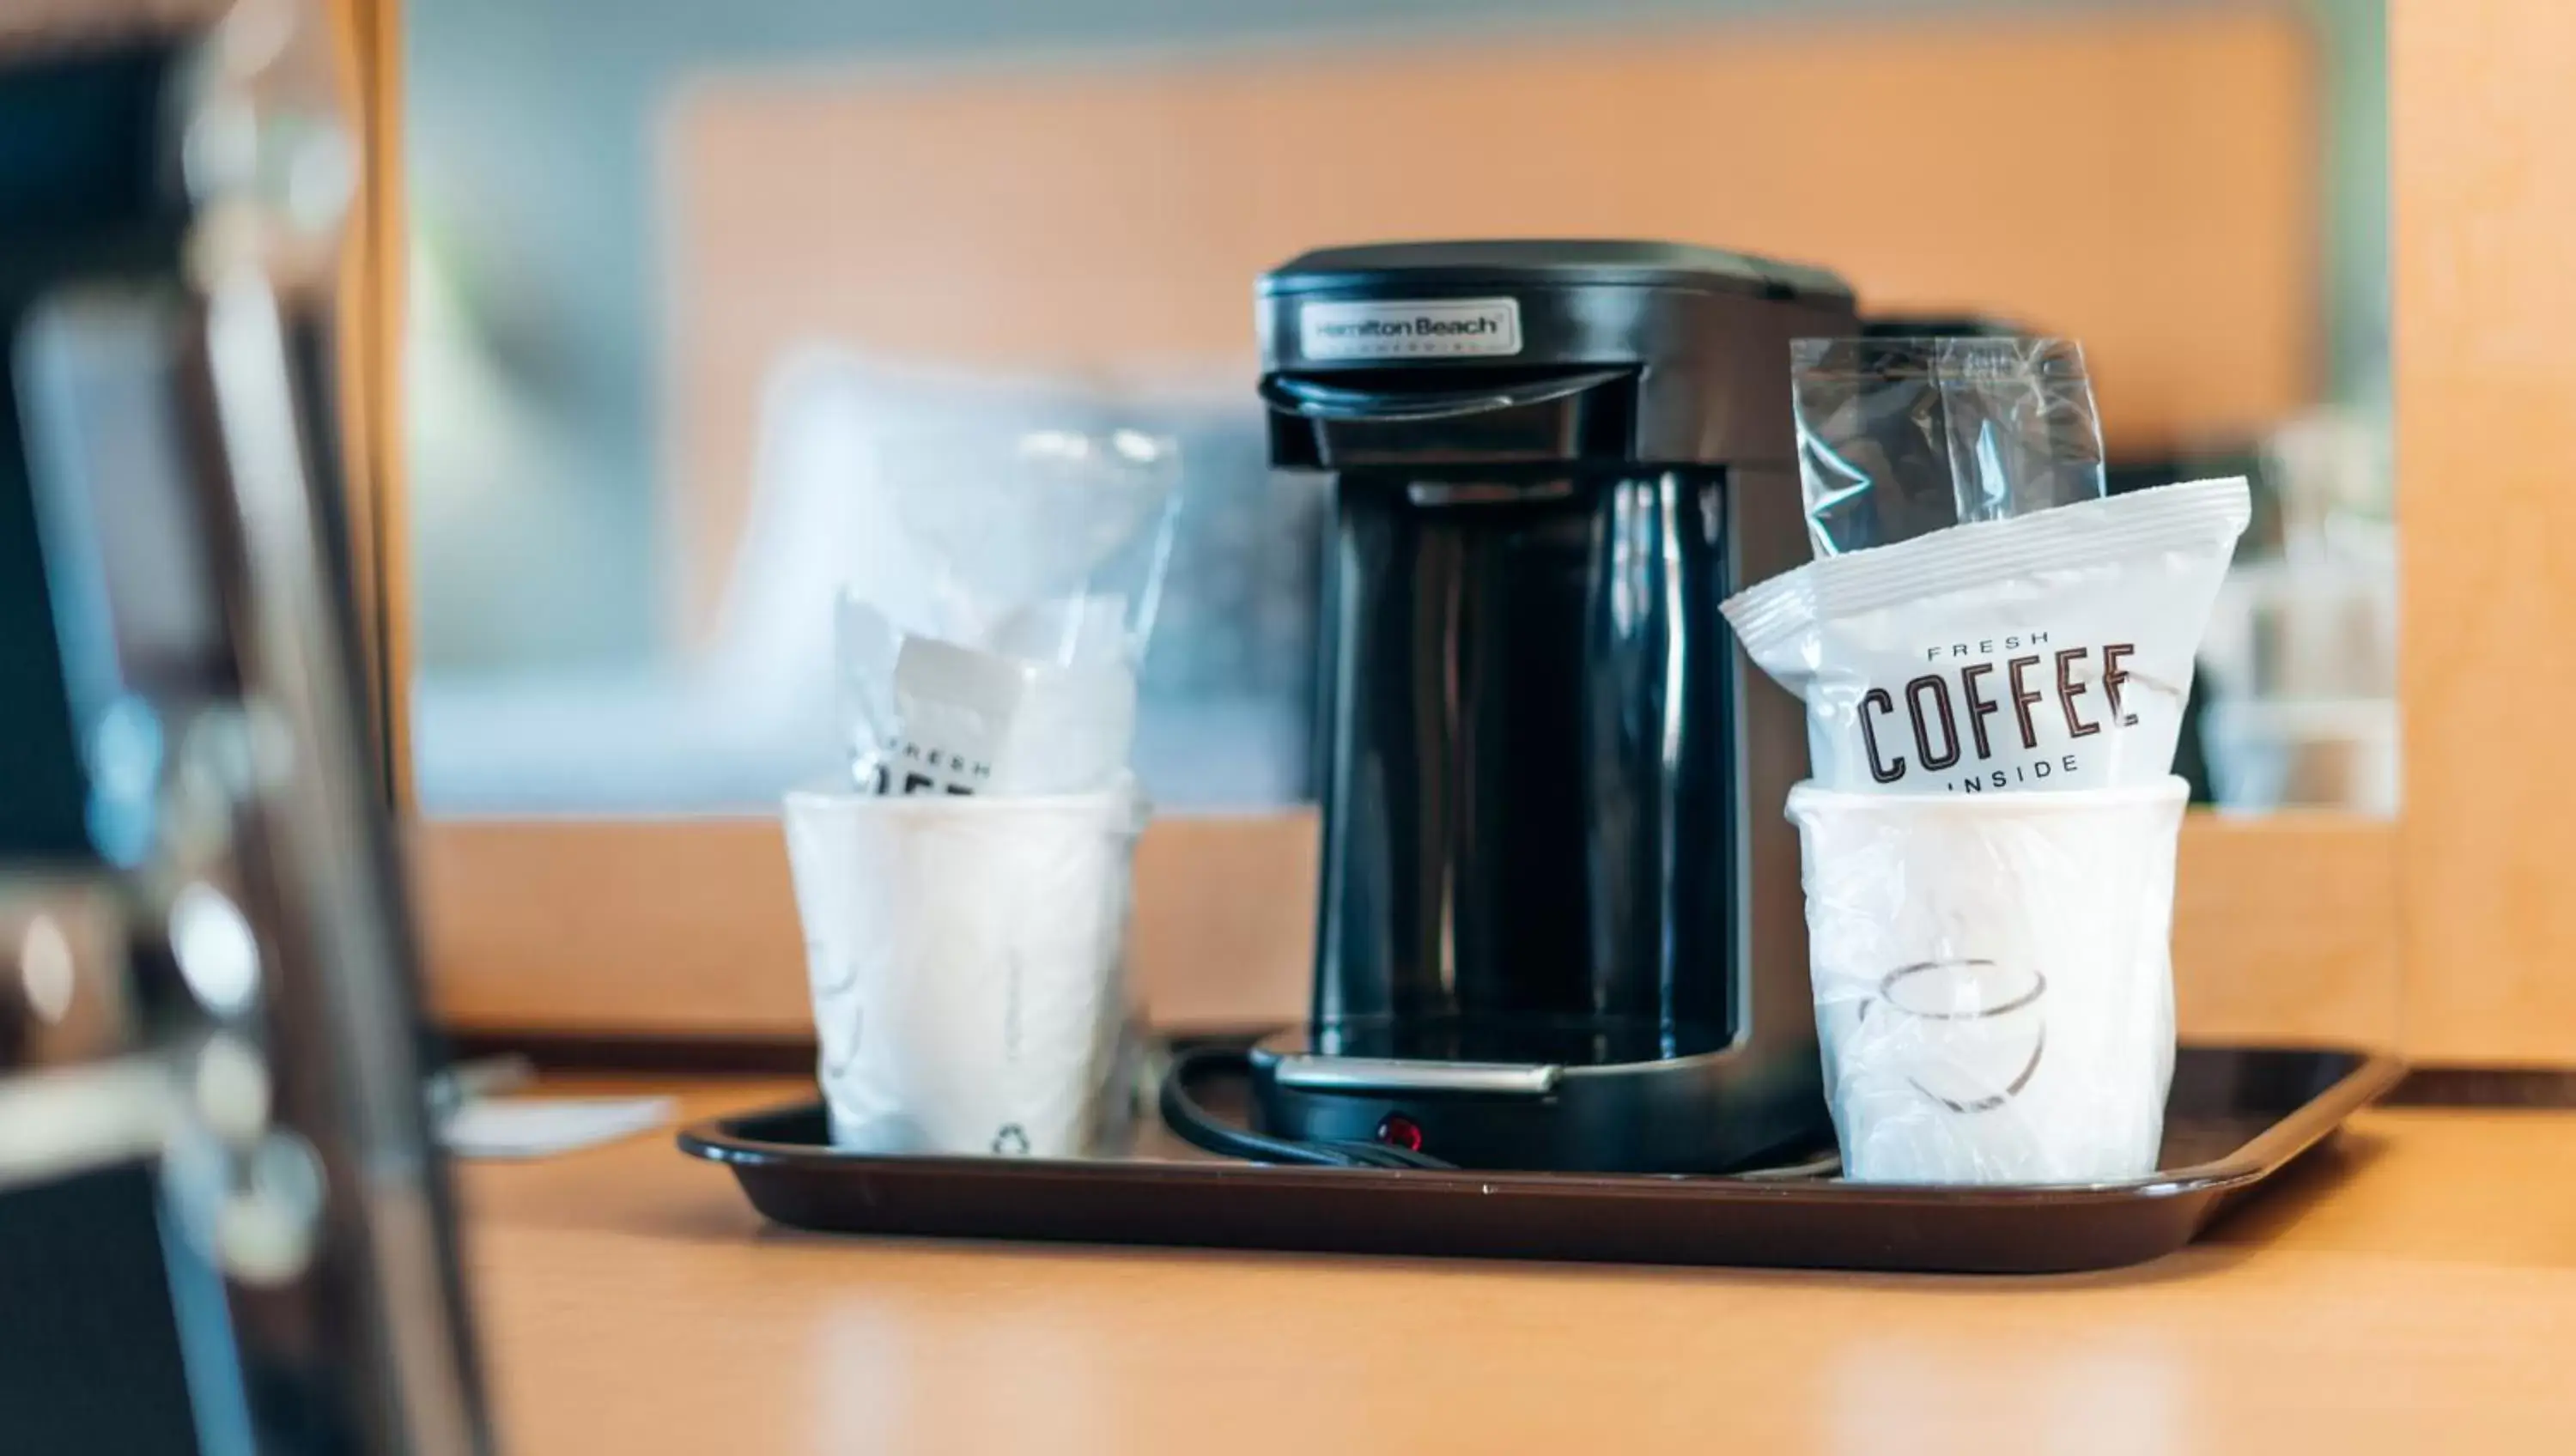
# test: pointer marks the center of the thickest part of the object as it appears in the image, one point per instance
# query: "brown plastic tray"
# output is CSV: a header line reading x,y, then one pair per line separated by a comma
x,y
2236,1117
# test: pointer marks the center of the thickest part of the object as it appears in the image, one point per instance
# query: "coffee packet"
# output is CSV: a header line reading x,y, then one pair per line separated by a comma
x,y
2046,651
993,616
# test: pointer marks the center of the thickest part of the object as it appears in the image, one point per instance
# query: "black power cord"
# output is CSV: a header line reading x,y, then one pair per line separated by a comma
x,y
1203,1129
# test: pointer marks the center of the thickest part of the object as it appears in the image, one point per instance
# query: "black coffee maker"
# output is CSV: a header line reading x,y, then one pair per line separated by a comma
x,y
1560,922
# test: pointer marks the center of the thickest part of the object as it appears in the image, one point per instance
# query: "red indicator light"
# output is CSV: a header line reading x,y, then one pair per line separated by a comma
x,y
1400,1131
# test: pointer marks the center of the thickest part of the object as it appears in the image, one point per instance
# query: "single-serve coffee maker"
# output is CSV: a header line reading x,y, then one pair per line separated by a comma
x,y
1560,924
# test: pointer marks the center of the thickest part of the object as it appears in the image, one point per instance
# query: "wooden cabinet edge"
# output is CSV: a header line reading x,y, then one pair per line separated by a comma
x,y
2284,927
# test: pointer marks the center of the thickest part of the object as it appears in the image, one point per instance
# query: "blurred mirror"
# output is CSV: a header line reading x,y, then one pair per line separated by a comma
x,y
676,269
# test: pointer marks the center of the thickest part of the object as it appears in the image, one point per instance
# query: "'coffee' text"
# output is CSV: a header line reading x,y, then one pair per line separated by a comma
x,y
1936,702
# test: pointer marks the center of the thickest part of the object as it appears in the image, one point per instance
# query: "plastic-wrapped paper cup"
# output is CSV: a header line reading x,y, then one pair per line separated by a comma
x,y
968,965
1994,979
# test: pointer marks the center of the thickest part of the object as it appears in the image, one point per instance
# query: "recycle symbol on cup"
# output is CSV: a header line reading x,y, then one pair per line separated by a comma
x,y
1975,1028
1011,1140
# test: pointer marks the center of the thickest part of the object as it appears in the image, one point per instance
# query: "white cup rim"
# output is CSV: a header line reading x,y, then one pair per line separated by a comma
x,y
2001,803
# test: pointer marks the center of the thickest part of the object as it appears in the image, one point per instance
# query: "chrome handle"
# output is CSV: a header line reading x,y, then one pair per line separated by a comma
x,y
1310,1073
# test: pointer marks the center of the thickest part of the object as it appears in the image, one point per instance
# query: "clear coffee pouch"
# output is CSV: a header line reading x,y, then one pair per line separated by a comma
x,y
1900,437
993,617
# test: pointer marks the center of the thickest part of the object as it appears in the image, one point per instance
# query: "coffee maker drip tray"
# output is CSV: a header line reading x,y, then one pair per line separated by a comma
x,y
1590,1096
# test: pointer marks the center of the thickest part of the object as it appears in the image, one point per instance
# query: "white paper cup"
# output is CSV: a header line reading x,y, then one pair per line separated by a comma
x,y
968,966
1994,979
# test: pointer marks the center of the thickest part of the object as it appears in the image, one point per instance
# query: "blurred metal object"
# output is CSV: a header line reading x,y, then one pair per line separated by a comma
x,y
206,969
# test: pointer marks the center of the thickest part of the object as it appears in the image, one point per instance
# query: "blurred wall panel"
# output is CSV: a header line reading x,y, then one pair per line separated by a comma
x,y
2486,199
2145,181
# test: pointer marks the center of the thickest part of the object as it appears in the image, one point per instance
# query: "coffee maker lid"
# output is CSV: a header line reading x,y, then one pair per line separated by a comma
x,y
1527,263
1396,309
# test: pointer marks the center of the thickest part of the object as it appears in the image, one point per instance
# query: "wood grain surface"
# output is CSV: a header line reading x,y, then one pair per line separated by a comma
x,y
369,325
688,928
2389,1297
2284,927
2142,178
2484,183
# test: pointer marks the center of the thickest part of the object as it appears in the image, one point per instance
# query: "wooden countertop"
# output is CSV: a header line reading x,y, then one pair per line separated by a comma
x,y
2411,1288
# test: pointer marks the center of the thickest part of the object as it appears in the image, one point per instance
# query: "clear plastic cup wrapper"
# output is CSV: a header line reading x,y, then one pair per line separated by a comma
x,y
968,965
1898,438
1993,979
995,609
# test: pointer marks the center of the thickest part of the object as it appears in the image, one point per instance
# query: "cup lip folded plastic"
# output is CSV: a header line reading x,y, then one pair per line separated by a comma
x,y
2017,802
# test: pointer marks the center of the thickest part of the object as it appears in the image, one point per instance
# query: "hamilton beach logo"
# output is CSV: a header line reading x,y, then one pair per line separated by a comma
x,y
1421,326
1425,328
